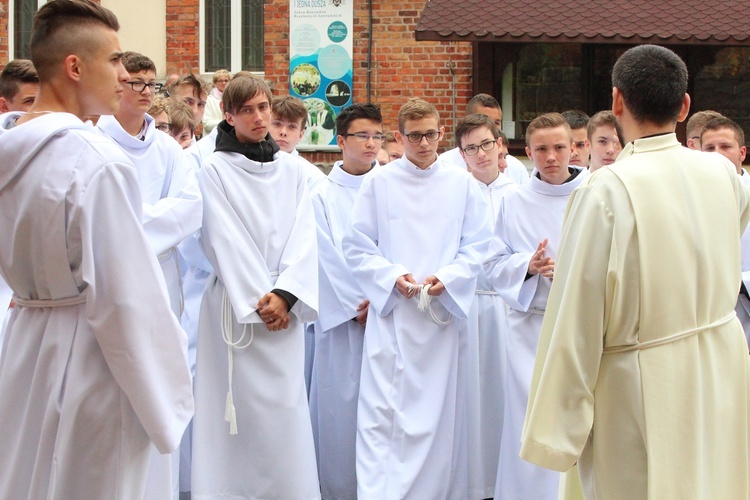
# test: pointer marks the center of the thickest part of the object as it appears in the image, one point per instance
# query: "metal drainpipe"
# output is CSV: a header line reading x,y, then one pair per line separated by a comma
x,y
451,66
369,55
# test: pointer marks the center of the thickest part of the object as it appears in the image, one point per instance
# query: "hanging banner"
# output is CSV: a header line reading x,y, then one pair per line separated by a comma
x,y
320,66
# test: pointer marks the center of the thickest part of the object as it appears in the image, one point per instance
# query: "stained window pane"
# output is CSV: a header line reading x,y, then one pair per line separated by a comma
x,y
252,35
218,44
23,15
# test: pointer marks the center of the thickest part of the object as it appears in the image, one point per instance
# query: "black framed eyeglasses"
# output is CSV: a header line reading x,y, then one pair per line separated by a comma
x,y
364,137
486,146
141,86
431,136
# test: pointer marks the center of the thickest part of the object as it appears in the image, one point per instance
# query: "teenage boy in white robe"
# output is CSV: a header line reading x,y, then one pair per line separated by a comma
x,y
340,327
252,436
520,266
488,105
605,143
724,136
94,368
419,230
171,206
481,148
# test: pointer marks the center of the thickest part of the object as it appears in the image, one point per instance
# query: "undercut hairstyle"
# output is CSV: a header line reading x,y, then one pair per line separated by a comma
x,y
242,89
416,109
600,119
289,108
366,111
696,122
576,118
15,73
470,123
62,28
723,122
484,100
547,120
159,106
653,82
389,138
191,80
180,116
219,73
135,62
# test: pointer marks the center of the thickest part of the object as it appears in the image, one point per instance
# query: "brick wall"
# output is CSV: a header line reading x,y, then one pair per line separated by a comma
x,y
4,56
401,67
183,42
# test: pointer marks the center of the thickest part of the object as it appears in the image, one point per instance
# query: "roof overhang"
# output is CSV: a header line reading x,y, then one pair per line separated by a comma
x,y
627,22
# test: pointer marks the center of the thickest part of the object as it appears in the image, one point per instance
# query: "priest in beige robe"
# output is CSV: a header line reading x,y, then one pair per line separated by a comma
x,y
641,376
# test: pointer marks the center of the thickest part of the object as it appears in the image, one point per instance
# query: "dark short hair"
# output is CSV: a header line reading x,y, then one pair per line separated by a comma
x,y
724,122
135,62
576,118
547,120
289,108
484,100
469,123
357,111
653,82
241,89
59,30
15,73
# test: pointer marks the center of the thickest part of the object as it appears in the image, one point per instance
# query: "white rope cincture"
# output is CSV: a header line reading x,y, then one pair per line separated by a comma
x,y
423,302
230,414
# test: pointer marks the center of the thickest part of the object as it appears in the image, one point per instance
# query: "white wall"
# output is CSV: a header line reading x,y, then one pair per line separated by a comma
x,y
143,28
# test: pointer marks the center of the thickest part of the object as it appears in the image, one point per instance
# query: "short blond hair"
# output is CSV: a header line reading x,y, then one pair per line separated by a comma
x,y
180,116
547,120
219,73
416,109
159,106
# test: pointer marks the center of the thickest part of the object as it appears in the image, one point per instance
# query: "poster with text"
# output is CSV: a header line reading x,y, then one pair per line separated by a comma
x,y
320,65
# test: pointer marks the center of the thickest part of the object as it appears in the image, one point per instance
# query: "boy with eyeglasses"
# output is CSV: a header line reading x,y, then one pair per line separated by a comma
x,y
481,148
171,204
339,329
252,436
520,268
418,232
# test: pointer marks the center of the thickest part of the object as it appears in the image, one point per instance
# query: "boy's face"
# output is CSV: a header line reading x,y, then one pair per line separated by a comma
x,y
605,146
23,100
581,148
395,150
184,137
550,149
193,97
251,121
483,163
502,163
424,152
286,133
138,102
161,122
383,157
495,114
724,142
356,153
102,75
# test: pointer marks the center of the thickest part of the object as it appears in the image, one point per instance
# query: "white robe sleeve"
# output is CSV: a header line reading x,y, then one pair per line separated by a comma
x,y
339,293
506,268
174,217
298,268
128,310
460,276
376,275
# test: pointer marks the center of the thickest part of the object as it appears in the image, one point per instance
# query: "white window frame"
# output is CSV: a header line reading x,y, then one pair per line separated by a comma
x,y
12,27
235,57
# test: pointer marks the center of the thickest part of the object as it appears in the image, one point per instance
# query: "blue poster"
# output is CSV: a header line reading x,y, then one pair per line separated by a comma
x,y
320,66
